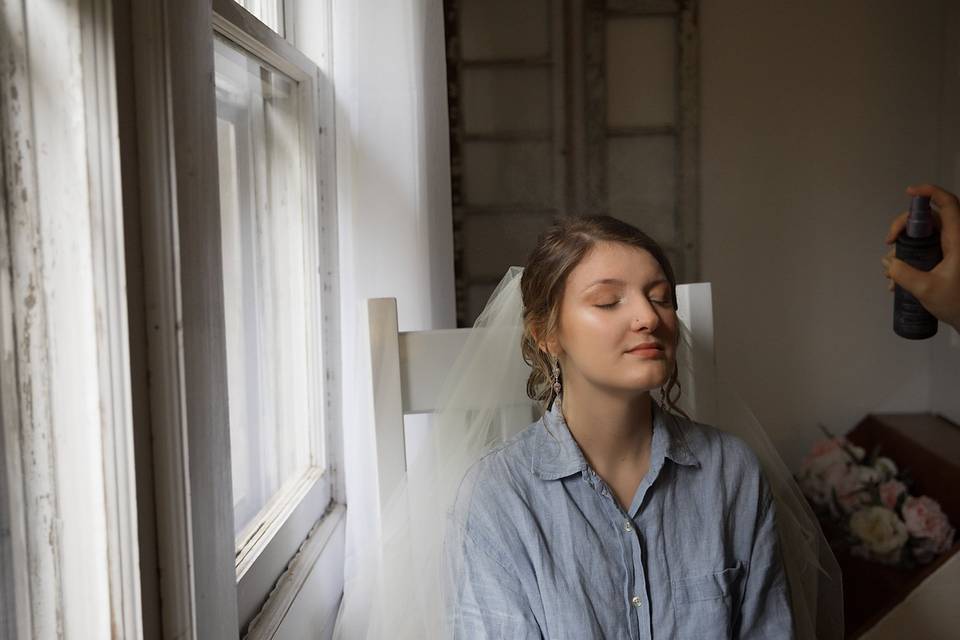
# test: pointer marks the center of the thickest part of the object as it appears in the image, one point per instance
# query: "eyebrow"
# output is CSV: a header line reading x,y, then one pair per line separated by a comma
x,y
621,282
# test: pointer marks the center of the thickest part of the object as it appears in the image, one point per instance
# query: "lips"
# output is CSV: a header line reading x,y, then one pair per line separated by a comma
x,y
647,346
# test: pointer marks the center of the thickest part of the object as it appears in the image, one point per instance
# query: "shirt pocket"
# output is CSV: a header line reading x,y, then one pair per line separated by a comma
x,y
703,605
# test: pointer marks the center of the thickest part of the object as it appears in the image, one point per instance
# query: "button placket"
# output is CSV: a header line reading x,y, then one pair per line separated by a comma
x,y
638,598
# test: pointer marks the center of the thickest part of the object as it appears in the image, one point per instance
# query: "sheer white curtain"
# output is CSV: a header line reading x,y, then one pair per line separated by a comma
x,y
393,190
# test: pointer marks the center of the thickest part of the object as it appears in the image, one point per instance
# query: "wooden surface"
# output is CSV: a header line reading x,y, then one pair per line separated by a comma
x,y
929,612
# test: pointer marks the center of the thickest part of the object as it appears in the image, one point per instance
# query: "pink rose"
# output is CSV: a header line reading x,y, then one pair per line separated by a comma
x,y
829,468
926,520
851,483
827,453
890,492
821,447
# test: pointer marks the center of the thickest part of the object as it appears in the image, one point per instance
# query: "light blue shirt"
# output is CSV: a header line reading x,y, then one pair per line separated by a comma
x,y
546,551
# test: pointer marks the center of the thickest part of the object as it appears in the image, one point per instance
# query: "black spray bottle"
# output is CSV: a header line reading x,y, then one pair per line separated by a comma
x,y
919,246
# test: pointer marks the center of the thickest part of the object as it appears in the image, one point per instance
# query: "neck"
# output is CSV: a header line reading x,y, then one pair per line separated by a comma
x,y
612,429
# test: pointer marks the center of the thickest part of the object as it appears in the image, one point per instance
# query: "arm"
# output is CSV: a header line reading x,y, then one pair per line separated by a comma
x,y
488,600
765,611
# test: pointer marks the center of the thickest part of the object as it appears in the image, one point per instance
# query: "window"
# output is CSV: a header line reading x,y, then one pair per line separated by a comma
x,y
274,249
556,111
270,12
266,283
233,223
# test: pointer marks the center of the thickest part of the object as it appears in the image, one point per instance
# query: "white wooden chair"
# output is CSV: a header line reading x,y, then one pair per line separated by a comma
x,y
408,367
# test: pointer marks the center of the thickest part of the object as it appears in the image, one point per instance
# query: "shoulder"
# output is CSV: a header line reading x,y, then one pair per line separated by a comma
x,y
722,453
714,444
494,485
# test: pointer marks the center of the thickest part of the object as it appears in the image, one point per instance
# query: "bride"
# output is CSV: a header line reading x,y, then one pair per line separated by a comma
x,y
612,516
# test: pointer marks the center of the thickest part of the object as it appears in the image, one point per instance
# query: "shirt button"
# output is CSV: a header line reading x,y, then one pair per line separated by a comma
x,y
627,526
636,601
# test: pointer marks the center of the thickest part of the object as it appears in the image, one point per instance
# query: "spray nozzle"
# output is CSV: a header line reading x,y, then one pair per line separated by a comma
x,y
920,220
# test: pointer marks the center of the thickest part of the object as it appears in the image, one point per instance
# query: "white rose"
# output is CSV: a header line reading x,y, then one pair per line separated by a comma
x,y
858,452
886,467
880,529
868,475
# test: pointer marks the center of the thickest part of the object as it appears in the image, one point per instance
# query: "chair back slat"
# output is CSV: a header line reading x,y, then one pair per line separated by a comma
x,y
695,309
425,359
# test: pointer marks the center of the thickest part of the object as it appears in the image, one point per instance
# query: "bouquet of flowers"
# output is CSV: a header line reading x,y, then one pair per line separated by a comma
x,y
866,500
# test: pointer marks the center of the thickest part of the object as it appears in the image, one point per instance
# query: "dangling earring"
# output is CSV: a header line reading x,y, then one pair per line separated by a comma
x,y
668,388
557,387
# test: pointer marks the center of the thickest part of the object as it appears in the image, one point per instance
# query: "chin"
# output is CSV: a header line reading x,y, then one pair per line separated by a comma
x,y
652,379
648,383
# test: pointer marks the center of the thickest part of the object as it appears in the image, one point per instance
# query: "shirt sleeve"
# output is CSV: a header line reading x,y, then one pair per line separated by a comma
x,y
488,601
765,607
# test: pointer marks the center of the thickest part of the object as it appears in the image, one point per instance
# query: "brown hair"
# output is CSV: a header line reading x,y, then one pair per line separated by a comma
x,y
559,249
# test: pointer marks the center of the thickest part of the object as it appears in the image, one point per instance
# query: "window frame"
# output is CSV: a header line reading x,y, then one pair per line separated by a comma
x,y
262,558
204,589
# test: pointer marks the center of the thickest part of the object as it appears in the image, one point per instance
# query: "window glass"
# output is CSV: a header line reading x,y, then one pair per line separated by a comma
x,y
270,12
265,280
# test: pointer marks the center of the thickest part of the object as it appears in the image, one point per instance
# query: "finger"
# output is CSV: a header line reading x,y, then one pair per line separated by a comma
x,y
890,284
896,227
940,197
898,224
885,261
949,213
901,220
913,280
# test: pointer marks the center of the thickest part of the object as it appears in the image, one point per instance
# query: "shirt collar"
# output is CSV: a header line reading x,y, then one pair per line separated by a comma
x,y
555,454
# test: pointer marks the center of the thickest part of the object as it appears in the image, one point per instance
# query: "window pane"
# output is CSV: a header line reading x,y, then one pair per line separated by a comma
x,y
508,173
498,100
270,12
642,182
265,302
491,29
641,71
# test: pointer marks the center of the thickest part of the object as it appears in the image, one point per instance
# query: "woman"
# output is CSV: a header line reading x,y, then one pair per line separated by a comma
x,y
613,516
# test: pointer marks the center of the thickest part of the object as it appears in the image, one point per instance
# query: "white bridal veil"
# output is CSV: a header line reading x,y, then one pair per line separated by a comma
x,y
398,575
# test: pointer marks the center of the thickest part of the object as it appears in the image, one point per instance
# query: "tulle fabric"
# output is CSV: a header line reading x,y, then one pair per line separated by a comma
x,y
401,578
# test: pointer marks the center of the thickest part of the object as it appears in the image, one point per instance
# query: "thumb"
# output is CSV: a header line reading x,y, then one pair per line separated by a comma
x,y
914,280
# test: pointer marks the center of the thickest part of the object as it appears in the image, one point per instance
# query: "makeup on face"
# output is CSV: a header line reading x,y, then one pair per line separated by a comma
x,y
618,325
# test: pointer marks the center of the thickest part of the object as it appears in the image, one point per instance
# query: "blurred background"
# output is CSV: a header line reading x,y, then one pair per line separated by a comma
x,y
765,144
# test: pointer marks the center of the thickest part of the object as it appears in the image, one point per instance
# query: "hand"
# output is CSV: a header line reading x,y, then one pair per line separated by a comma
x,y
937,290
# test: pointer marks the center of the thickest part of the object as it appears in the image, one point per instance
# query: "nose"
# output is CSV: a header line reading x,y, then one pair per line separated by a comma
x,y
644,316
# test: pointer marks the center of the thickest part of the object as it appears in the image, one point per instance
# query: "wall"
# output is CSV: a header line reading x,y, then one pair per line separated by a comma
x,y
393,184
393,177
945,354
815,117
395,235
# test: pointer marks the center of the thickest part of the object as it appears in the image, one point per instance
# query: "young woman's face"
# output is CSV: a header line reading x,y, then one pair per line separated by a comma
x,y
615,300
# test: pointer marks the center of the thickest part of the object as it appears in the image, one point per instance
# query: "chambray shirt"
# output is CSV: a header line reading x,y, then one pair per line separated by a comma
x,y
545,550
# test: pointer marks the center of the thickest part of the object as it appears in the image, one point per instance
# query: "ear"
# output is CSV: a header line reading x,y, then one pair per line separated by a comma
x,y
551,346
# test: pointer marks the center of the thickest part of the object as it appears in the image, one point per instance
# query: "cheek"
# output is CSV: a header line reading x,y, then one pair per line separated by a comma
x,y
671,335
592,328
